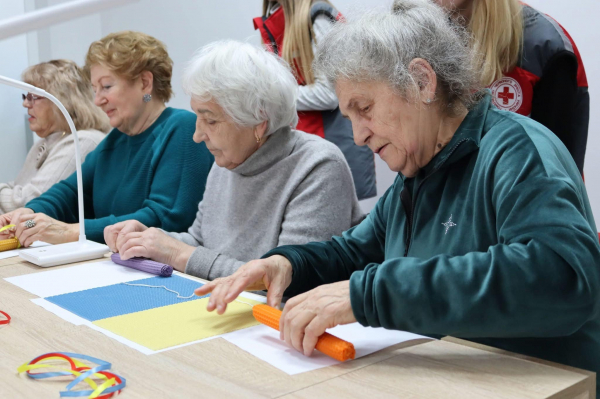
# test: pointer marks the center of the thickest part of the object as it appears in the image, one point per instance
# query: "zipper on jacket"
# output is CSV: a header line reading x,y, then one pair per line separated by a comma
x,y
407,197
406,200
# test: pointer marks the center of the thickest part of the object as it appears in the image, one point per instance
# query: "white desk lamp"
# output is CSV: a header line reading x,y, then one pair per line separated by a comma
x,y
73,251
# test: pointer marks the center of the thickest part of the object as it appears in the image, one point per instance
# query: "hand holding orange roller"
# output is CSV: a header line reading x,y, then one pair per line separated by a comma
x,y
330,345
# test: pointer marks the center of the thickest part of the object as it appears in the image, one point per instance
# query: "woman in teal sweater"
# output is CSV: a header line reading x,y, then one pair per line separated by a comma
x,y
148,168
486,234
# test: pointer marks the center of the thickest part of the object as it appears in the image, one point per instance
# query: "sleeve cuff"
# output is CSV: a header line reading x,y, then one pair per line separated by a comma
x,y
186,238
356,297
362,297
299,276
200,263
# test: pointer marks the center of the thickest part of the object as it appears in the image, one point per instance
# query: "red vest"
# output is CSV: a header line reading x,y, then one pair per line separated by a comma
x,y
272,30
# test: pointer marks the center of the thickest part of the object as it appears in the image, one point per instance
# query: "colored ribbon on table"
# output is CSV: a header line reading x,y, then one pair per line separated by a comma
x,y
7,318
112,384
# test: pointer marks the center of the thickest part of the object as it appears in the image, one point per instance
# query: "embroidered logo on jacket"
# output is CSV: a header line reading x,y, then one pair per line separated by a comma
x,y
449,224
507,94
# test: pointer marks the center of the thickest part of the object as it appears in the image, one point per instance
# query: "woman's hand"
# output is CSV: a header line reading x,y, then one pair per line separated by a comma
x,y
46,229
154,244
273,273
306,317
8,218
114,235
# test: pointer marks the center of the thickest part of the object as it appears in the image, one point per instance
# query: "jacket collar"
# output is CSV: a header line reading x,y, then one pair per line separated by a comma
x,y
278,146
272,28
467,137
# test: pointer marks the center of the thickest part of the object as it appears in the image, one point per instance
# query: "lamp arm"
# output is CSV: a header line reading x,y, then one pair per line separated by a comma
x,y
77,163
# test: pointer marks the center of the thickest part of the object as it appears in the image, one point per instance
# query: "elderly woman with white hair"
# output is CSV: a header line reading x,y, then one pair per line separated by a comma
x,y
487,232
271,185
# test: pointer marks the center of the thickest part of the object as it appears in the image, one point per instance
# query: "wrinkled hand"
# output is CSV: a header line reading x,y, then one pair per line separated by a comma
x,y
154,244
273,273
114,235
46,229
8,218
306,317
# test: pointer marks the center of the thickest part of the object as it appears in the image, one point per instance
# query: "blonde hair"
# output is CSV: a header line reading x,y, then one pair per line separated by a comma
x,y
497,34
128,54
67,82
297,46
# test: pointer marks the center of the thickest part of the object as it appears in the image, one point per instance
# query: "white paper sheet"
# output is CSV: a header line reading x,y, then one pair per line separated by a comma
x,y
60,312
264,343
15,252
76,278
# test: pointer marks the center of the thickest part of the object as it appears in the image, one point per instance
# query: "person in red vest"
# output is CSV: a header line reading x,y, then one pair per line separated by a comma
x,y
531,65
292,29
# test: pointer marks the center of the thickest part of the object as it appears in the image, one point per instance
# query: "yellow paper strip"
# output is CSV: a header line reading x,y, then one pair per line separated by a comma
x,y
178,324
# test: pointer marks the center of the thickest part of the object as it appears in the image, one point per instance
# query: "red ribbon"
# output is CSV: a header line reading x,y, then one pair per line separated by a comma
x,y
7,318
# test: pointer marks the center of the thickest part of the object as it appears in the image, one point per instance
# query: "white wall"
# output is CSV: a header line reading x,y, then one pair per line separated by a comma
x,y
13,141
580,21
186,25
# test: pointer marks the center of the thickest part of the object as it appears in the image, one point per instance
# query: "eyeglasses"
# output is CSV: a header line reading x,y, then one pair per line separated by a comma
x,y
31,97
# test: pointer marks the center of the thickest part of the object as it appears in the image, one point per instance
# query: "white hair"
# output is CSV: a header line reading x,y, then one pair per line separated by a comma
x,y
249,83
379,46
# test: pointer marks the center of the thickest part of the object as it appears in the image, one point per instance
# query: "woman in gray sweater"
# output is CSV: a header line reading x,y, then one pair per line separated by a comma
x,y
271,185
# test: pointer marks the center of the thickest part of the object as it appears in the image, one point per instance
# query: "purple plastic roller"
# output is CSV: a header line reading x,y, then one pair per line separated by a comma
x,y
144,264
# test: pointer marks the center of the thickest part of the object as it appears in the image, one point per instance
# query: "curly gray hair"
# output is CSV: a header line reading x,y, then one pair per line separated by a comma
x,y
379,46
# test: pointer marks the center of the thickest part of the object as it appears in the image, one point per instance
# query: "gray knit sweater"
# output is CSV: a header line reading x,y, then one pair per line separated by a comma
x,y
294,189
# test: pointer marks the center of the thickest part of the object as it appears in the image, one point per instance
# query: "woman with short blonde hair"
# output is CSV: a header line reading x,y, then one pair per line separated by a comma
x,y
531,64
65,80
148,168
128,54
52,158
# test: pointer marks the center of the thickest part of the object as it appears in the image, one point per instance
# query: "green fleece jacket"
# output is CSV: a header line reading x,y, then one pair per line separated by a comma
x,y
156,177
493,241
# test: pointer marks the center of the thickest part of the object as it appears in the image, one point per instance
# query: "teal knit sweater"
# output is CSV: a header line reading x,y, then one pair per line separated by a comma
x,y
156,177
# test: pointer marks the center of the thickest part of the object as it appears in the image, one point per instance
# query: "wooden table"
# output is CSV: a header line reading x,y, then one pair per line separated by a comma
x,y
449,368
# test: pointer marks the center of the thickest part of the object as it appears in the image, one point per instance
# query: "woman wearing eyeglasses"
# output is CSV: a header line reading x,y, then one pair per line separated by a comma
x,y
52,158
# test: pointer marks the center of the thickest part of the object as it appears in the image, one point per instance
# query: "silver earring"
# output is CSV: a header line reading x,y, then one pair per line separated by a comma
x,y
147,98
429,101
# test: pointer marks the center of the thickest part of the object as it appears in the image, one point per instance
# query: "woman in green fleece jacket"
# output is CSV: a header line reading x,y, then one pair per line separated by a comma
x,y
148,168
486,234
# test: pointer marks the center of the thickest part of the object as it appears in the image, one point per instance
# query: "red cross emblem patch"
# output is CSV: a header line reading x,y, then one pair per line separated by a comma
x,y
507,94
